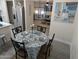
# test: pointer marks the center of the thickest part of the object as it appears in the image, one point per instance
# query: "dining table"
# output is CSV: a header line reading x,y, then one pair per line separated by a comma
x,y
33,41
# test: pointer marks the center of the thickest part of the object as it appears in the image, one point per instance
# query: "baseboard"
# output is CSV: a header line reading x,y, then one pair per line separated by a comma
x,y
62,41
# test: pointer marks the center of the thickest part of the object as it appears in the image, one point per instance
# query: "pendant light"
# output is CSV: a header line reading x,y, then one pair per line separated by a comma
x,y
36,11
47,2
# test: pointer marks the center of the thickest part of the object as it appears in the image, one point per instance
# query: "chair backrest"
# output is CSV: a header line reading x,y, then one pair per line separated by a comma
x,y
51,40
18,45
42,51
39,28
43,47
52,37
17,30
42,29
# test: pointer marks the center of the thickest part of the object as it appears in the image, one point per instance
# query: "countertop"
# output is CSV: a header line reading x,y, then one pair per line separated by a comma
x,y
4,24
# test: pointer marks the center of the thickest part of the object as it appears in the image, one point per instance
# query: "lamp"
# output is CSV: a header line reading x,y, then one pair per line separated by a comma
x,y
36,11
47,2
42,12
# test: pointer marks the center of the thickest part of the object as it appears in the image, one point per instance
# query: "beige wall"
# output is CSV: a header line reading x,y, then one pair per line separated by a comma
x,y
28,13
74,45
63,31
3,7
66,0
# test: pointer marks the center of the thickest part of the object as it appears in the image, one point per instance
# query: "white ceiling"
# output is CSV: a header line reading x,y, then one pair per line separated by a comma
x,y
35,0
8,0
43,0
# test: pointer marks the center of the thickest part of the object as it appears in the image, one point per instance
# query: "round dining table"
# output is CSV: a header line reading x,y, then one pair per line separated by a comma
x,y
33,41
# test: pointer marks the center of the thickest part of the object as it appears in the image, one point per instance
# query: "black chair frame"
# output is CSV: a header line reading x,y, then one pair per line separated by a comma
x,y
49,46
17,30
19,47
42,29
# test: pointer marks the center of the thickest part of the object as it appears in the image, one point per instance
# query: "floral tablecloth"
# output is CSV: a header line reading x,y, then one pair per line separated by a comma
x,y
33,41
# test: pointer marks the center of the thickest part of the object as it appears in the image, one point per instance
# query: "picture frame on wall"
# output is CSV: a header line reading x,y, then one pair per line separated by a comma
x,y
65,11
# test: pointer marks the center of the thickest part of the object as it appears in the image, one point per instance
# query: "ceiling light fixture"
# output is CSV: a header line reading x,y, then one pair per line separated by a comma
x,y
36,11
42,12
47,2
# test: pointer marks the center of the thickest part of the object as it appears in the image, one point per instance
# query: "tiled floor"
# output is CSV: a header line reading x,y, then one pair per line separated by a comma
x,y
59,51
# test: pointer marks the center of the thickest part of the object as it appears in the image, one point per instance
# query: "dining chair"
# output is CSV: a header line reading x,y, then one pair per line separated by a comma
x,y
49,45
52,38
42,52
19,49
41,28
17,30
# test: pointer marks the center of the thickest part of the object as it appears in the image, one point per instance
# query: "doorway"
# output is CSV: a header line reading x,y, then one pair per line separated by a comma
x,y
42,14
